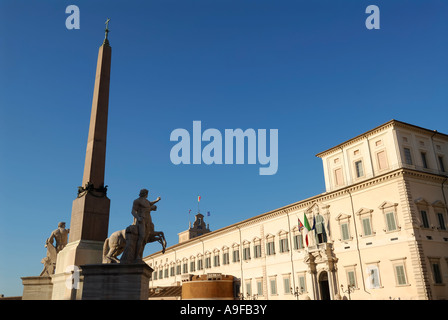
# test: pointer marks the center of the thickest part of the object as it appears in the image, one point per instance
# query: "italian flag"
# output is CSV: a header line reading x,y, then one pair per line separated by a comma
x,y
307,228
199,198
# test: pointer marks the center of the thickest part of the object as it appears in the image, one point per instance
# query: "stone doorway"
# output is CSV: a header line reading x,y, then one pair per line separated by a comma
x,y
324,288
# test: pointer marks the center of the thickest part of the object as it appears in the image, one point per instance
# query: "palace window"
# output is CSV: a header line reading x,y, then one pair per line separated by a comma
x,y
287,284
424,217
246,250
390,221
350,272
440,211
400,275
351,278
436,271
283,242
259,286
257,248
344,225
249,287
236,254
407,156
225,256
154,275
365,216
441,164
302,283
359,169
373,277
208,260
216,258
270,245
366,226
200,262
298,240
345,231
441,219
424,162
390,216
273,285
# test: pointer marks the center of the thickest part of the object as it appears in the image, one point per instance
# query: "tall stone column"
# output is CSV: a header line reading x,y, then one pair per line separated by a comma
x,y
90,210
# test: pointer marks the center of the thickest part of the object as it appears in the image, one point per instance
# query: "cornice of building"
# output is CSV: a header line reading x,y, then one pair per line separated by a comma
x,y
384,126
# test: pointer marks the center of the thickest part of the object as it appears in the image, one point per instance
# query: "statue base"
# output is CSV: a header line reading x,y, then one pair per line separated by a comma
x,y
37,288
116,281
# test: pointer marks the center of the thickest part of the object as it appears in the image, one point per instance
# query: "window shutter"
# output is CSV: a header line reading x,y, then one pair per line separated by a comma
x,y
366,226
390,221
344,228
401,278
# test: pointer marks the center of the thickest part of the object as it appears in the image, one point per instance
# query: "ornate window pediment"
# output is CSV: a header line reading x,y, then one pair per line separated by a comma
x,y
313,208
269,236
438,204
364,211
282,233
421,202
342,216
387,204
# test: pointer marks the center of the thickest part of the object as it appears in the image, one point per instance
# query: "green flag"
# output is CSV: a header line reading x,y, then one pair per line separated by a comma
x,y
307,227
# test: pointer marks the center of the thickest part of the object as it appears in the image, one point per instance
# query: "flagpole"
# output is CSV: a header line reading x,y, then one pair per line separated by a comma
x,y
189,217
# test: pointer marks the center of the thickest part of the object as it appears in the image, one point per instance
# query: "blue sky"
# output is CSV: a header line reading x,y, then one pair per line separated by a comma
x,y
310,69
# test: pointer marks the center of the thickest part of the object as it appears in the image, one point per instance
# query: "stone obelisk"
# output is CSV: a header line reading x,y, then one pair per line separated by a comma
x,y
90,211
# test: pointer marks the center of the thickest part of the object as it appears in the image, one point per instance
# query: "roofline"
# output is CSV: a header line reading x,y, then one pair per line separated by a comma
x,y
390,122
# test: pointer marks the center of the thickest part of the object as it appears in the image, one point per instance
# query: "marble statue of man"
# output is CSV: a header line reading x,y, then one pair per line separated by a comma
x,y
59,235
141,210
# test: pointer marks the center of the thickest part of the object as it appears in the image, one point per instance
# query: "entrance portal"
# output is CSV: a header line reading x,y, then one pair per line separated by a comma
x,y
323,286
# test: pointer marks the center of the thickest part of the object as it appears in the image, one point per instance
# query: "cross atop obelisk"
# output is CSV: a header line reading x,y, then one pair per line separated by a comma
x,y
106,41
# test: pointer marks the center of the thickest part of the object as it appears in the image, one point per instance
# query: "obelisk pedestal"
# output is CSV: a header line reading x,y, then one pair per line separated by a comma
x,y
90,210
90,213
116,281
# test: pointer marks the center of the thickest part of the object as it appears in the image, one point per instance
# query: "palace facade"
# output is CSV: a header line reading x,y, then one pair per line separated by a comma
x,y
380,229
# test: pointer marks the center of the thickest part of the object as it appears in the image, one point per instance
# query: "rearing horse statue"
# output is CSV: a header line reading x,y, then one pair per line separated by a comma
x,y
116,243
